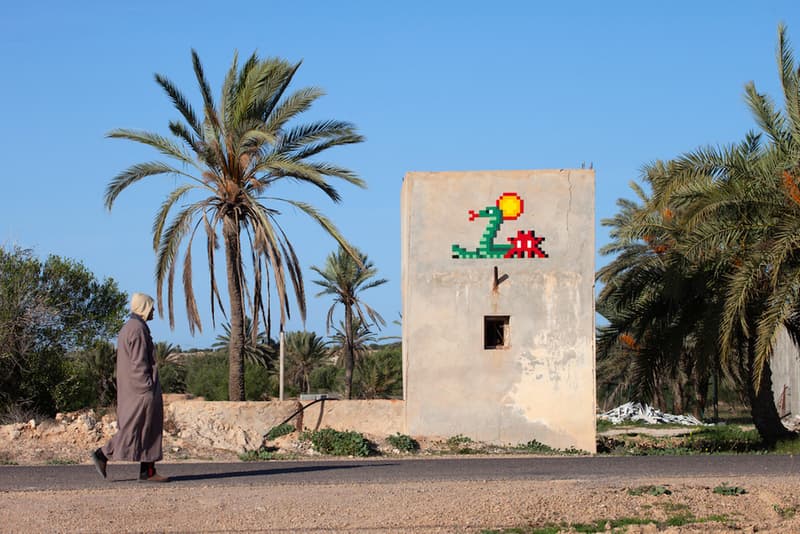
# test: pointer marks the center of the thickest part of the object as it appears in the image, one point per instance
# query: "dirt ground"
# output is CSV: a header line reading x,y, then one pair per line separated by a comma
x,y
769,505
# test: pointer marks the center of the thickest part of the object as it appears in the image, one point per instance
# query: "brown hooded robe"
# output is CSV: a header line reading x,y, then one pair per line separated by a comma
x,y
140,409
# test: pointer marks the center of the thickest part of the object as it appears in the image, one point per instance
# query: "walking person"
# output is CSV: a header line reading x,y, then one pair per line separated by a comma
x,y
140,409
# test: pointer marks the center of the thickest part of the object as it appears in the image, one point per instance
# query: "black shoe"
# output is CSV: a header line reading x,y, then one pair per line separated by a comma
x,y
99,459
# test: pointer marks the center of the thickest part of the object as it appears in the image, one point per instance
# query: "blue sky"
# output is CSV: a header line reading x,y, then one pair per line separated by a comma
x,y
434,86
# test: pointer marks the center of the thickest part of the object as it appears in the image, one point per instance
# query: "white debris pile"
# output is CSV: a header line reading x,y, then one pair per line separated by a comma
x,y
635,411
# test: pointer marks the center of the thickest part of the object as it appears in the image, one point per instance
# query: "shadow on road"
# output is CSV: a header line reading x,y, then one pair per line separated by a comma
x,y
275,471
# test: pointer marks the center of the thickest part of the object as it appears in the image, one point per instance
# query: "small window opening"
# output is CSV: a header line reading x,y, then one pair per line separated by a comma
x,y
495,331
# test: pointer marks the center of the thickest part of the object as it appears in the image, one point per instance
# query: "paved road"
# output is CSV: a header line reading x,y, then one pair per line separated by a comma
x,y
15,478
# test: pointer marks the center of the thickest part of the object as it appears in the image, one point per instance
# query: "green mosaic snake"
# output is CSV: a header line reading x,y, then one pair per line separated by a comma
x,y
486,247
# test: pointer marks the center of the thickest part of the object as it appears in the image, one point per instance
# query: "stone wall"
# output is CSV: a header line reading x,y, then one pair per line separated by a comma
x,y
239,426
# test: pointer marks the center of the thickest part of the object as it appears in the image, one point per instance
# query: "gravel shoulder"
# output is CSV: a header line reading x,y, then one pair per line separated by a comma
x,y
418,507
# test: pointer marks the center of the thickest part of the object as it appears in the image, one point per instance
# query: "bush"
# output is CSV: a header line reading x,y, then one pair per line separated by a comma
x,y
258,383
403,443
88,379
725,439
280,430
49,310
459,444
337,443
327,379
537,447
207,377
173,378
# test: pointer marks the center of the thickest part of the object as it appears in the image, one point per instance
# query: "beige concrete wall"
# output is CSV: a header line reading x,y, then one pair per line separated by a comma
x,y
785,366
239,426
542,385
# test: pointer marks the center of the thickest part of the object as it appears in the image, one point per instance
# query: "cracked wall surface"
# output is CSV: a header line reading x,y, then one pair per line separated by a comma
x,y
541,385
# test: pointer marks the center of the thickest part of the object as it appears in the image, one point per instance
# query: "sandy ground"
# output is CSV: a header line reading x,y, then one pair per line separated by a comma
x,y
420,507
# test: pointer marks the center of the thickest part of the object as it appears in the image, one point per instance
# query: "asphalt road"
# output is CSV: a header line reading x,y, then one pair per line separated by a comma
x,y
389,471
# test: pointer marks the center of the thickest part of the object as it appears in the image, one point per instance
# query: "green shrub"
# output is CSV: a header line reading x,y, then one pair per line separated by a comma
x,y
403,443
280,430
649,490
327,379
536,447
173,378
338,443
724,438
207,377
459,444
788,446
258,384
88,379
725,489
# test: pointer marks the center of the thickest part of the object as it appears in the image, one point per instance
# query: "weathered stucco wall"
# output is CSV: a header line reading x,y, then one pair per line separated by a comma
x,y
239,426
785,366
542,384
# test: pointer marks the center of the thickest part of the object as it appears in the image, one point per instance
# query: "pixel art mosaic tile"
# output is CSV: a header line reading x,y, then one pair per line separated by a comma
x,y
507,208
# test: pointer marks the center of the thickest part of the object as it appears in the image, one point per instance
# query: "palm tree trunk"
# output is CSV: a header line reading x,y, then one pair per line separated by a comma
x,y
762,404
701,393
233,264
349,356
677,395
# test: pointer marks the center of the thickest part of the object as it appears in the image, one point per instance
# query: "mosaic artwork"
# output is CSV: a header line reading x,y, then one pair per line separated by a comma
x,y
507,208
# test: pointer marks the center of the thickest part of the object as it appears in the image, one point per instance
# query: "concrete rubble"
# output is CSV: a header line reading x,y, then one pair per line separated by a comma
x,y
635,411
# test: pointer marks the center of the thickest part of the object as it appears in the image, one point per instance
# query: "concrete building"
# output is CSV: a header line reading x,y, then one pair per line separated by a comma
x,y
498,306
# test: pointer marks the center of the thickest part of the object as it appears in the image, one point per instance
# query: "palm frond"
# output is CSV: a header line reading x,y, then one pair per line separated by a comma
x,y
159,142
135,173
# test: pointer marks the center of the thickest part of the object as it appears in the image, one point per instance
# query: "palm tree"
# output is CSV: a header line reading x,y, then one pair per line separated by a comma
x,y
345,277
662,316
741,208
258,349
166,353
171,365
750,210
305,352
360,339
230,159
379,373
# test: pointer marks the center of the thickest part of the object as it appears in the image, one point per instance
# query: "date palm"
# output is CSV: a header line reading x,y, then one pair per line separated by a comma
x,y
345,278
743,214
305,352
229,158
662,315
258,348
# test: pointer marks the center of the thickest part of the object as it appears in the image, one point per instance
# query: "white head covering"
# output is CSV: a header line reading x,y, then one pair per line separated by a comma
x,y
141,305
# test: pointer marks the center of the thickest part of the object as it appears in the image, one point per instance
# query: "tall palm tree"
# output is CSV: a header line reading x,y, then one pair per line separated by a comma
x,y
305,352
360,339
229,159
344,277
742,216
751,211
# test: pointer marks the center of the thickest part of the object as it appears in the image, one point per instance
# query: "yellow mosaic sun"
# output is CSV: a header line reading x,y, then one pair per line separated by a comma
x,y
511,205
